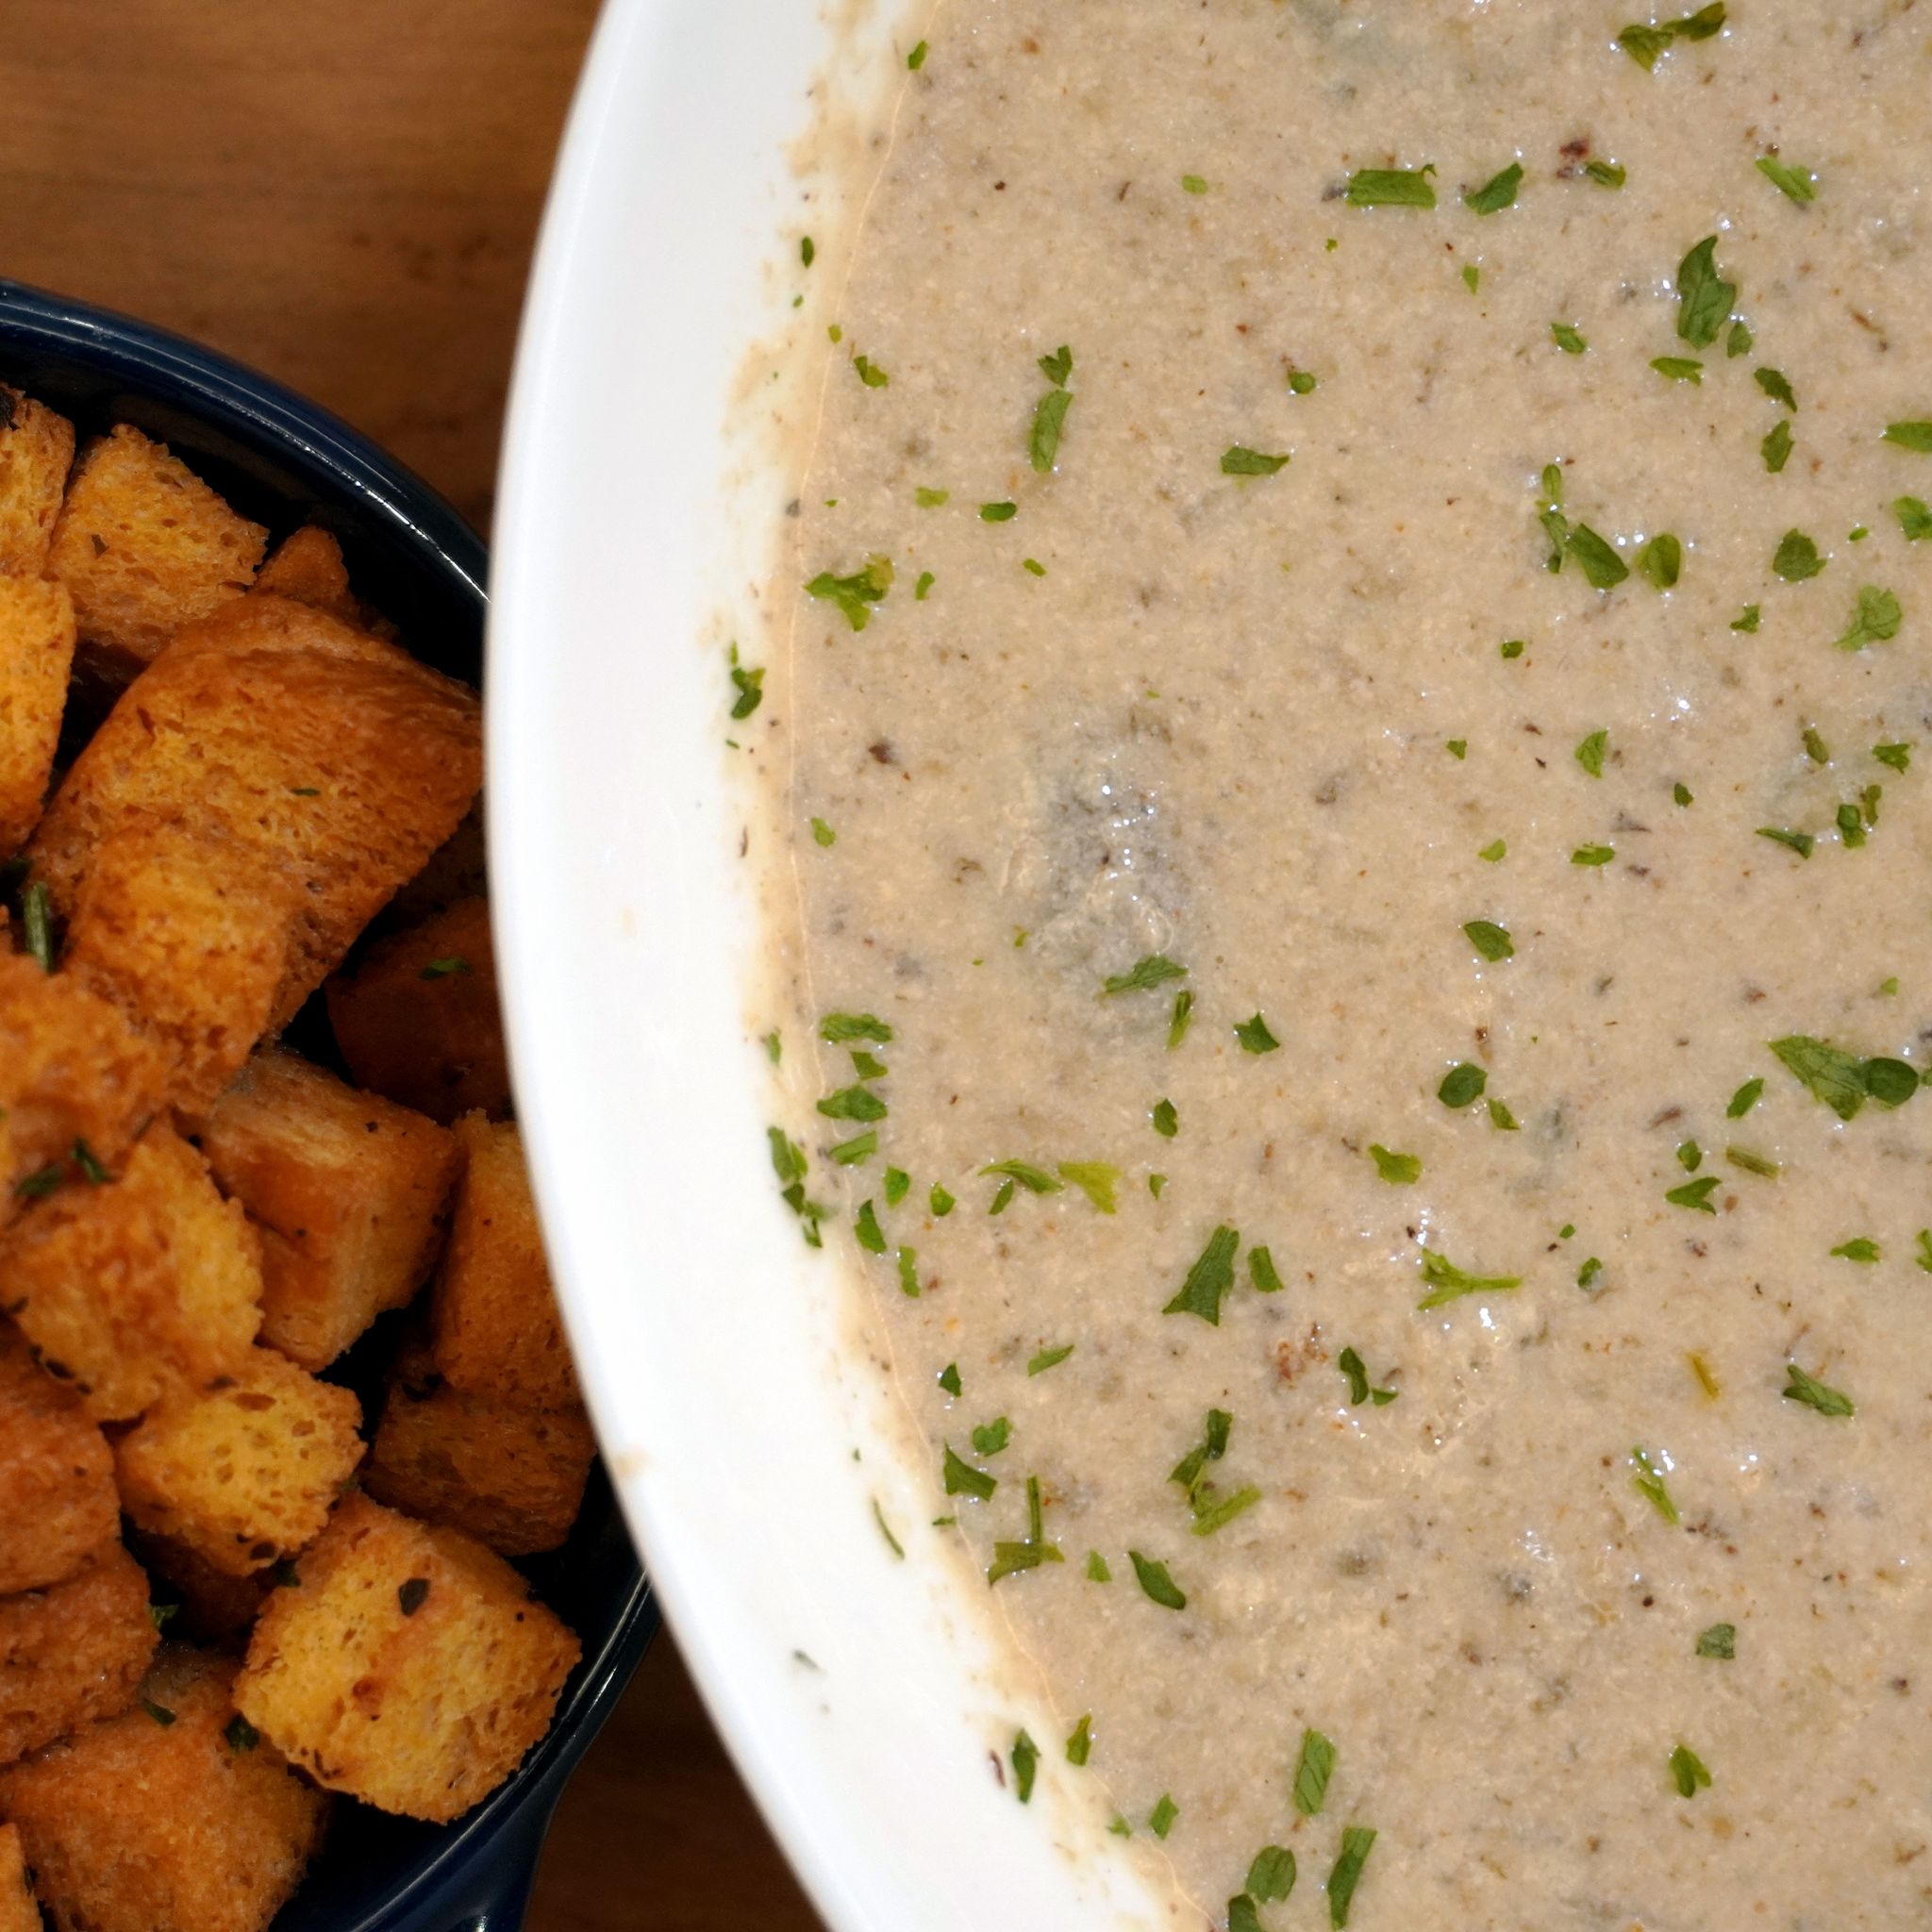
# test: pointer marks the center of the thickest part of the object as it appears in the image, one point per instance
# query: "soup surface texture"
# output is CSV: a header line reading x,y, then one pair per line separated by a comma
x,y
1355,745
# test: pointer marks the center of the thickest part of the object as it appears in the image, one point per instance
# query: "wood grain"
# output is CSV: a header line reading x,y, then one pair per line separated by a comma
x,y
346,195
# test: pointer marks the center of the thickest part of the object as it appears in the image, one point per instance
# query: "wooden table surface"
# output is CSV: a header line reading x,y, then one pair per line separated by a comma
x,y
346,195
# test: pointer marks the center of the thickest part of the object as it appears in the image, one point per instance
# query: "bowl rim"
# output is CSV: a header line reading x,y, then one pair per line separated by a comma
x,y
451,1881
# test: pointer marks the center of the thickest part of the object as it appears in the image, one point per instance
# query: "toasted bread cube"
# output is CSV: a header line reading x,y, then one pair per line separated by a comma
x,y
19,1910
57,1506
307,566
417,1016
145,546
72,1074
319,768
246,1474
510,1477
36,654
201,1603
172,1817
71,1654
350,1194
36,453
145,1286
456,870
495,1328
409,1666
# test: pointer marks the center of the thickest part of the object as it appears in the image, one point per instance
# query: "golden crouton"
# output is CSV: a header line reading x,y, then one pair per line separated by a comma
x,y
36,653
350,1195
309,567
200,1603
417,1017
409,1666
456,870
73,1075
247,1473
71,1654
145,1287
19,1912
172,1817
319,766
36,453
510,1477
56,1477
495,1328
145,546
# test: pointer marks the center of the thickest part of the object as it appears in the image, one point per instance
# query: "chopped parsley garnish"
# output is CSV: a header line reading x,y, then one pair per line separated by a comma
x,y
1496,850
1392,187
1097,1570
1799,1386
1923,1258
40,1184
866,1229
1695,1194
1497,192
1456,747
1752,1162
854,1103
1773,383
1254,1035
822,834
1155,1581
1777,447
931,499
1567,338
1914,518
1463,1083
1490,940
1739,342
1193,184
1097,1180
1209,1279
1357,1840
1876,619
1167,1121
989,1439
1690,1156
1688,1771
857,1150
998,512
1704,297
1859,1248
1080,1740
1446,1282
1800,184
1593,855
1912,435
962,1479
1049,1359
1589,753
1720,1641
854,595
1747,619
1237,461
1155,968
941,1202
1312,1771
1815,747
948,1379
1302,381
1471,276
1272,1875
1262,1272
1360,1390
1025,1758
1796,558
1598,559
1049,418
1501,1117
926,580
1606,174
907,1261
1057,367
239,1734
1650,1485
1588,1272
869,373
159,1713
897,1182
750,687
1399,1169
1679,369
1842,1080
37,923
1009,1558
1183,1018
1036,1180
1800,842
1899,757
91,1168
1682,794
807,250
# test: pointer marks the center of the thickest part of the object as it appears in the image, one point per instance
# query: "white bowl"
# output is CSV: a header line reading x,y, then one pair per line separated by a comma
x,y
748,1440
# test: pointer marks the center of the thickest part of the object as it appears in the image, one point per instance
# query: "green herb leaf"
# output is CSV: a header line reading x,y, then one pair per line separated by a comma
x,y
1744,1100
1167,1121
869,373
1598,559
1651,1487
866,1229
1049,419
1080,1740
1859,1248
1899,757
1497,192
1704,297
1796,558
1057,367
1262,1273
925,582
159,1713
1588,1272
750,697
1798,183
1914,518
1253,1036
1774,384
1912,436
1153,1580
1688,1773
1463,1083
1695,1194
1155,968
239,1734
1312,1771
1193,184
948,1379
1827,1072
1446,1282
1272,1876
1892,1083
1490,940
1567,338
1876,619
1160,1820
1662,561
1739,342
1049,1359
822,834
855,1103
1777,447
1036,1180
998,512
1752,1162
1606,174
1493,851
1747,619
37,923
1593,855
1720,1641
1357,1840
916,59
1094,1178
1679,369
1025,1764
1800,842
1392,187
1799,1386
962,1479
1182,1020
857,1150
854,595
1399,1169
1240,461
1209,1279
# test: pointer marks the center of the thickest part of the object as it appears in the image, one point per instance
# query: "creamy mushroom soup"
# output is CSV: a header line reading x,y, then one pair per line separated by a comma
x,y
1349,725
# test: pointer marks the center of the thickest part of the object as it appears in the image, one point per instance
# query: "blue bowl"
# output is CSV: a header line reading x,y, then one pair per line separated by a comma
x,y
285,462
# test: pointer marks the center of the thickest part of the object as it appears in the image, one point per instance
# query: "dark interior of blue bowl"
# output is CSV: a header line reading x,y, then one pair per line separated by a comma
x,y
285,462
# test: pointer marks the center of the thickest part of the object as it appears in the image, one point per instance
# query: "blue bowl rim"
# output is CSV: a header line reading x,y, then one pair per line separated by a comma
x,y
342,466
